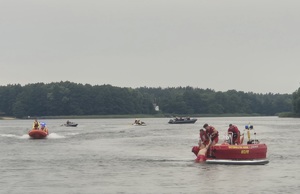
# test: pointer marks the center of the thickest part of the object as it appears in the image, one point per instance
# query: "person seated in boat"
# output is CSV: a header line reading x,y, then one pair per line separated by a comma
x,y
235,134
43,127
68,122
36,124
201,151
203,136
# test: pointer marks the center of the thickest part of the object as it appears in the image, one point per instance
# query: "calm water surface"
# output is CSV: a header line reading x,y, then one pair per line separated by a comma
x,y
112,156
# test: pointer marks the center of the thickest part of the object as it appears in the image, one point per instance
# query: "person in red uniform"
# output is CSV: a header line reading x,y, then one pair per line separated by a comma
x,y
235,132
212,133
203,137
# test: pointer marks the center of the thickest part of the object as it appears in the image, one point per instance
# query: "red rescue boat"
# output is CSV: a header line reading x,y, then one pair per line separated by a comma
x,y
38,133
238,154
253,152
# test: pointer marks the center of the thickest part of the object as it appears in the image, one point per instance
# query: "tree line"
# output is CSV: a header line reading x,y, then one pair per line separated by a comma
x,y
67,98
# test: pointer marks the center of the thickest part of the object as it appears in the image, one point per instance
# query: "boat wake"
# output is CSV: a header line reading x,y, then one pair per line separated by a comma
x,y
55,136
72,134
25,136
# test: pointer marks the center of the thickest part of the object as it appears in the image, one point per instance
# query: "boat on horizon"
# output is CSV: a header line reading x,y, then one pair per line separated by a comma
x,y
182,120
138,122
70,124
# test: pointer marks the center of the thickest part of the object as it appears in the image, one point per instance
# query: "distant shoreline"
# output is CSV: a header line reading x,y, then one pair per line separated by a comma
x,y
130,116
7,118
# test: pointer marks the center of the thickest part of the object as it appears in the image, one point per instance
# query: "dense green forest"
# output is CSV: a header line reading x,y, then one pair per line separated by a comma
x,y
67,98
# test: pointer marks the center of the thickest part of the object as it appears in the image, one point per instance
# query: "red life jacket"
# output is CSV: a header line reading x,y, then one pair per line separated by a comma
x,y
234,130
210,131
203,137
195,150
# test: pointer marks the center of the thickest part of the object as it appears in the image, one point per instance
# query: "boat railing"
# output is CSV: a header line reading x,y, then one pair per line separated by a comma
x,y
248,131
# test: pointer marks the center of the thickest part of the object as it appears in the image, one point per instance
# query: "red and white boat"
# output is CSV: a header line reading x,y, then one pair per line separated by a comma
x,y
238,154
251,153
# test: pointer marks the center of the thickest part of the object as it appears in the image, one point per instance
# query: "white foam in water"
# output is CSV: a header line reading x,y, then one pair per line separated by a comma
x,y
55,136
8,135
25,136
72,133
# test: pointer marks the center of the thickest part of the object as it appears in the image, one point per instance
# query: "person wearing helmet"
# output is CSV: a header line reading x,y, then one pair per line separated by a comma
x,y
43,127
235,134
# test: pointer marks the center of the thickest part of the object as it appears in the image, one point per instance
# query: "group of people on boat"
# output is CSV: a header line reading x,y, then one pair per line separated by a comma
x,y
209,136
182,119
39,126
70,124
138,122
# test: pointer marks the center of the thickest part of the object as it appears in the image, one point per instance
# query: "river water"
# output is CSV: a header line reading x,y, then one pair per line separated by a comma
x,y
112,156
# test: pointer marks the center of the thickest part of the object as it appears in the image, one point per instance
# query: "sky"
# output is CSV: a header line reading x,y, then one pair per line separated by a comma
x,y
249,45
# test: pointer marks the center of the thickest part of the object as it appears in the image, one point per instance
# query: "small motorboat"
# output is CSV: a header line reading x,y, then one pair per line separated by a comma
x,y
38,133
70,124
138,122
181,120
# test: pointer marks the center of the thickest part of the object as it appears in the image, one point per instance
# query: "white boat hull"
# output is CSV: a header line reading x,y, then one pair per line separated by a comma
x,y
238,162
138,124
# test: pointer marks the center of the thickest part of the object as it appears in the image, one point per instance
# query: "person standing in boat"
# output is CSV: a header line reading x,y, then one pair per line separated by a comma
x,y
235,134
203,137
36,124
212,133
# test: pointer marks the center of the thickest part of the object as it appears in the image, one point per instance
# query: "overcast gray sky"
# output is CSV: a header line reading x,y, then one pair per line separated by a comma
x,y
246,45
